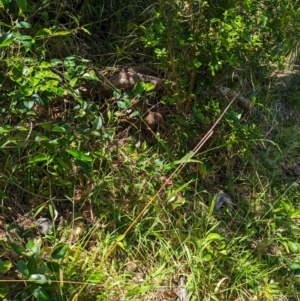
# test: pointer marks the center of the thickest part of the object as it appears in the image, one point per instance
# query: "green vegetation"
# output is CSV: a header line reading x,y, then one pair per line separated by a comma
x,y
149,150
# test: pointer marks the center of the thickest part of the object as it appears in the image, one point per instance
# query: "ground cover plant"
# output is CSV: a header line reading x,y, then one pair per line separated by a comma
x,y
149,150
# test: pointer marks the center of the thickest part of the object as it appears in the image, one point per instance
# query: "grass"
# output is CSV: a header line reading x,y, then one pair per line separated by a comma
x,y
246,252
70,160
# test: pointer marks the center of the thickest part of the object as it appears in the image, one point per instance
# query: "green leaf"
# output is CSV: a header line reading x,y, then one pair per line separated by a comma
x,y
85,166
96,133
58,129
5,266
16,248
3,195
295,214
46,74
91,75
121,245
85,30
6,39
149,87
117,94
61,33
4,288
20,128
45,65
60,251
23,5
96,277
294,266
23,24
214,236
62,163
22,267
38,278
55,62
197,64
120,237
97,123
26,91
6,129
39,158
46,126
139,88
45,32
264,20
28,104
139,290
122,105
34,82
32,265
293,246
207,257
41,295
73,81
286,207
79,155
53,266
64,156
33,247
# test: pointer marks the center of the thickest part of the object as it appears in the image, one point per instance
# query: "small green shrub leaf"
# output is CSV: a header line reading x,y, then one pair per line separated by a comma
x,y
35,247
214,236
23,24
139,88
73,81
55,62
5,266
59,251
97,123
45,32
39,158
32,265
286,207
121,245
149,87
20,128
122,105
42,74
53,266
120,237
91,75
4,288
85,30
22,267
6,39
46,126
139,290
117,94
45,65
16,248
58,129
293,246
38,278
85,166
41,295
28,104
6,129
79,155
295,214
3,195
294,266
